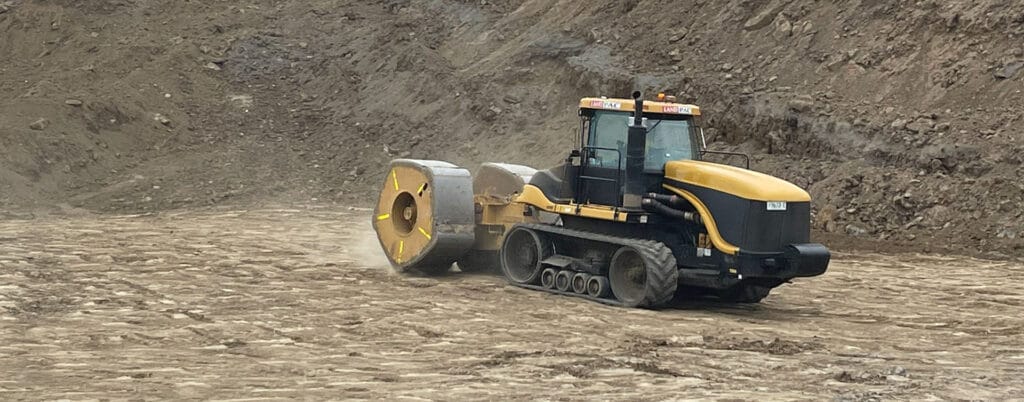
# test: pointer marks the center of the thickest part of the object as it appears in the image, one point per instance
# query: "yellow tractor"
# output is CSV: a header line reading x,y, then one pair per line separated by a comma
x,y
633,217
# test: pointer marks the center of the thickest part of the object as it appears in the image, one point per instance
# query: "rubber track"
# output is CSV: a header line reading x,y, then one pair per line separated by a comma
x,y
655,254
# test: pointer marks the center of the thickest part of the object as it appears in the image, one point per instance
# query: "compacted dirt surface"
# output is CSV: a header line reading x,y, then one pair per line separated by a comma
x,y
298,303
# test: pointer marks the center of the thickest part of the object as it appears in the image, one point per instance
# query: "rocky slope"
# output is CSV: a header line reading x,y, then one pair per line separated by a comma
x,y
901,117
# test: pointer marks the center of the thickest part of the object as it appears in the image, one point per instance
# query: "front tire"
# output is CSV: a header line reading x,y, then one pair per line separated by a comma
x,y
643,275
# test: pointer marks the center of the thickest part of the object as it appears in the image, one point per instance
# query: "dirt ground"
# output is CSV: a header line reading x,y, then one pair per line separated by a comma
x,y
298,303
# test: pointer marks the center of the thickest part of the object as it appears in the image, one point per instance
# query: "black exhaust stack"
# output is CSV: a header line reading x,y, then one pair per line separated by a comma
x,y
636,148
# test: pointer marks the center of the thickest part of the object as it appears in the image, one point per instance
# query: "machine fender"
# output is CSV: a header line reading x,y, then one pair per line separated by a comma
x,y
534,196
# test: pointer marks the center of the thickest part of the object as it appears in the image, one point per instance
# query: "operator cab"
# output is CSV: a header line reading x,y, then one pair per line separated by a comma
x,y
596,171
669,137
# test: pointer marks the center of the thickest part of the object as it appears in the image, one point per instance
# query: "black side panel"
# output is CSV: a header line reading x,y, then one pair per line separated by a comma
x,y
729,211
749,224
557,183
770,230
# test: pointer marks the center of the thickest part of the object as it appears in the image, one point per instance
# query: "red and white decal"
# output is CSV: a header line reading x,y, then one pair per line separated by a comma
x,y
599,104
677,109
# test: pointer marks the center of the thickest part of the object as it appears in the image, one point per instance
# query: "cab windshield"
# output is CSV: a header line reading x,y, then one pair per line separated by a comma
x,y
667,140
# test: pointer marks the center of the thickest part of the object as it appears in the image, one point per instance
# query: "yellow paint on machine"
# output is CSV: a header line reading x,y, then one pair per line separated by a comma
x,y
709,221
742,183
534,196
383,217
425,234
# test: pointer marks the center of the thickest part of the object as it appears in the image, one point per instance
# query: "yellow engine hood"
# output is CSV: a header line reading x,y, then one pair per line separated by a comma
x,y
736,181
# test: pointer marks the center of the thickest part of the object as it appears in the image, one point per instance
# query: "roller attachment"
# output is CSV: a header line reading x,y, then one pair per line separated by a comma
x,y
501,180
424,217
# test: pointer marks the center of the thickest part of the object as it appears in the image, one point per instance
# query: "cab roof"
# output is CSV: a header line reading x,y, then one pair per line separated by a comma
x,y
627,105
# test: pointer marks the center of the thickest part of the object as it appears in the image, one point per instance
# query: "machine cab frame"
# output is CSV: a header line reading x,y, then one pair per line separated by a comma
x,y
672,135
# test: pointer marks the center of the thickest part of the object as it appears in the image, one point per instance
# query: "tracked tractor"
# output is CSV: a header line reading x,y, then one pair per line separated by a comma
x,y
633,216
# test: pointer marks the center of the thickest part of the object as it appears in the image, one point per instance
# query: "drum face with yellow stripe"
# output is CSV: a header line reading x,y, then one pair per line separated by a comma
x,y
424,217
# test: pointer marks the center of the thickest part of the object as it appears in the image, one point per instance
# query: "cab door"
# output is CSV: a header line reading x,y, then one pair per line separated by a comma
x,y
603,163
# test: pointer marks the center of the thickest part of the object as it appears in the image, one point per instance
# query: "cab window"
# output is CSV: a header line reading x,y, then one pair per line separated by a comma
x,y
667,140
608,130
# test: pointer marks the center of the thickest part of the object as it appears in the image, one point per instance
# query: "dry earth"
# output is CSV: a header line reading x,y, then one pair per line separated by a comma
x,y
295,303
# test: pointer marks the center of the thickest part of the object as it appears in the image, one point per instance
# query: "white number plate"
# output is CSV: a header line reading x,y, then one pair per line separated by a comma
x,y
776,205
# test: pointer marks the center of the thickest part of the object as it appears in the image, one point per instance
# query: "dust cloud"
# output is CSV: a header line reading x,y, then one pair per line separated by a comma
x,y
366,248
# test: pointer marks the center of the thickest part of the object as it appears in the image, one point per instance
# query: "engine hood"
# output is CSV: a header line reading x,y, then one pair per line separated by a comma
x,y
739,182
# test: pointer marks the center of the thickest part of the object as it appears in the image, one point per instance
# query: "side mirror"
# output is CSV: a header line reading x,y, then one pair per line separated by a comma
x,y
574,157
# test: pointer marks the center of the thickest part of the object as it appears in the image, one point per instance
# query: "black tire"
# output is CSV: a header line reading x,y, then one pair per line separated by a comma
x,y
579,282
643,275
563,281
479,262
597,286
522,255
744,293
547,278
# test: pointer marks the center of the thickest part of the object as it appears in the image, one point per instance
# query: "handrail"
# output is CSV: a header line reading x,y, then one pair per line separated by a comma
x,y
745,156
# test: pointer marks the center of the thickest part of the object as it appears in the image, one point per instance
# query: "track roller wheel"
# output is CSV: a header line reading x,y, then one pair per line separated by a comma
x,y
424,217
643,275
579,282
597,286
563,281
522,254
547,278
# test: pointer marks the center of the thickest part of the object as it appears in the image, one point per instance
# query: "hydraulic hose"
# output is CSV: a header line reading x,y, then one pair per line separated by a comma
x,y
673,201
653,205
